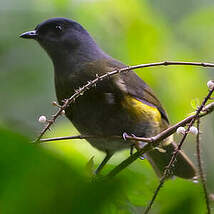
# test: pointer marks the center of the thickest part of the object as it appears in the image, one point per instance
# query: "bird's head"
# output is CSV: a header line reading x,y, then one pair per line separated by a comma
x,y
60,36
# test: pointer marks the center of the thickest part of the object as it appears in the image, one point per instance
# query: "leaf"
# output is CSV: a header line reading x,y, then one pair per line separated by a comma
x,y
90,167
34,181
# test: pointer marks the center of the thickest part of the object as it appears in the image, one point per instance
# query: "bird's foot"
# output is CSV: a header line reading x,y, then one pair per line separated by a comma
x,y
125,135
140,145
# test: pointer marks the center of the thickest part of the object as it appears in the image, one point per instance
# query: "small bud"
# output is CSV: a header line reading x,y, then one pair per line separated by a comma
x,y
42,119
195,179
54,103
211,197
210,84
193,130
63,112
181,130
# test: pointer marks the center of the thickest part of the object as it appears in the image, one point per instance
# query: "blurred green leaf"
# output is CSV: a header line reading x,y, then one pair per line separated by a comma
x,y
34,181
181,196
90,166
195,103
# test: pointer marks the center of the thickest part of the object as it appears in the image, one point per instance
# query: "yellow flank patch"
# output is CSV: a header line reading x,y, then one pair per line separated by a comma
x,y
140,110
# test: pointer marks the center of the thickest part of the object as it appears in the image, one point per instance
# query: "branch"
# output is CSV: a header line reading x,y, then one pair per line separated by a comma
x,y
155,140
78,137
200,169
93,83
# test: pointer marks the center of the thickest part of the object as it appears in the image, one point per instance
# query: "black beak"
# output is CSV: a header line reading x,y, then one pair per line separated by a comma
x,y
29,35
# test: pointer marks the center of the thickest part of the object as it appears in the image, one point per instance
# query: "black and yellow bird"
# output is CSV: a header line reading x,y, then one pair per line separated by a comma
x,y
122,104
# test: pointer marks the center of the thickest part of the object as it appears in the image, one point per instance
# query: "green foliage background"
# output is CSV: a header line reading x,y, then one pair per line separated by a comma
x,y
52,178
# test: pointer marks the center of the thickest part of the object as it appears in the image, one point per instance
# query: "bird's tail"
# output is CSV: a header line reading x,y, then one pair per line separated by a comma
x,y
182,167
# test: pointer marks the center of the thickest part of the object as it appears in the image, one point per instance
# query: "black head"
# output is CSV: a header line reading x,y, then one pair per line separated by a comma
x,y
60,35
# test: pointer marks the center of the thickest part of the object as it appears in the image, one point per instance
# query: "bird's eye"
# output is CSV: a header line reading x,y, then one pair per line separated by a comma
x,y
58,28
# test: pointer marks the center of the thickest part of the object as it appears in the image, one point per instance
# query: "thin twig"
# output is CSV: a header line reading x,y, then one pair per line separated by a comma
x,y
160,185
169,166
75,137
92,83
161,136
200,169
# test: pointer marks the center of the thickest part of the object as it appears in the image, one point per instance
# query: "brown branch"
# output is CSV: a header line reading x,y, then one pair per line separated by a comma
x,y
200,169
169,166
92,83
155,140
161,183
77,137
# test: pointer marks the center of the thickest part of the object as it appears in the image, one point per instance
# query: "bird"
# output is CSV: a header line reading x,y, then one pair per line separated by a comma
x,y
122,104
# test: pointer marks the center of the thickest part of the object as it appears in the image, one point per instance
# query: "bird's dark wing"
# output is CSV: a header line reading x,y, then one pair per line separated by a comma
x,y
132,84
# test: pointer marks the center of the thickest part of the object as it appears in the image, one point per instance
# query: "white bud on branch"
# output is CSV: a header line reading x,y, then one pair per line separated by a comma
x,y
211,197
181,130
54,103
210,84
193,130
63,112
42,119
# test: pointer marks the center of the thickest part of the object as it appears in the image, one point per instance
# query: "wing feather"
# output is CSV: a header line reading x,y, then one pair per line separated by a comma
x,y
134,86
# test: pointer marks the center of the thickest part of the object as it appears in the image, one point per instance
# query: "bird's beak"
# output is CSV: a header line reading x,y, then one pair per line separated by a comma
x,y
29,35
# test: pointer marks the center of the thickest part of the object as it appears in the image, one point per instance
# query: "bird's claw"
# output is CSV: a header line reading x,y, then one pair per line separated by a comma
x,y
125,135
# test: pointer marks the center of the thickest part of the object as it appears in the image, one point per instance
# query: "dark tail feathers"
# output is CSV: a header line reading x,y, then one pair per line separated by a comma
x,y
183,166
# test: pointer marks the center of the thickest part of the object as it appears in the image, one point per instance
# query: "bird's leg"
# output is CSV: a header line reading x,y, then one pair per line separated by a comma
x,y
139,145
131,149
103,163
131,146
